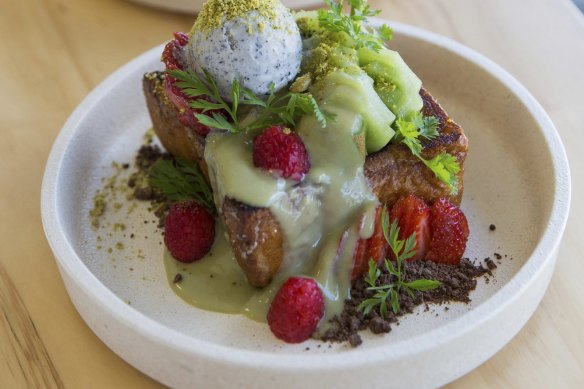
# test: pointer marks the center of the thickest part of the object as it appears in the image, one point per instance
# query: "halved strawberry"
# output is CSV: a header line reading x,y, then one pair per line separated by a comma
x,y
171,54
413,215
173,59
360,262
449,233
375,247
184,113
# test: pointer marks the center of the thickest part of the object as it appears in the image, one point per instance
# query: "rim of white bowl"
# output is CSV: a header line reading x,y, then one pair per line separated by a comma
x,y
149,328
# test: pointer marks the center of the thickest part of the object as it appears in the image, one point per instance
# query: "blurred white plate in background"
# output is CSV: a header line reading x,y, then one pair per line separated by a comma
x,y
192,6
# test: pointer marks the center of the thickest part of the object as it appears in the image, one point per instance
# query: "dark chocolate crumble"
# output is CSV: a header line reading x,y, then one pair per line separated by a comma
x,y
457,283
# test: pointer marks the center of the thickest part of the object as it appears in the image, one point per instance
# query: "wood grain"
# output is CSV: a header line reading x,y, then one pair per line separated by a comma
x,y
22,347
53,52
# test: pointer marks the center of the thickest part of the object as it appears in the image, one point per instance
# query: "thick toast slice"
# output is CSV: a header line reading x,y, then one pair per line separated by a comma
x,y
254,234
393,172
180,141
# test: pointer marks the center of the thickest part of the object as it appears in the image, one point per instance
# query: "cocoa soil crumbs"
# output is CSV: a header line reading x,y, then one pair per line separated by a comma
x,y
147,156
177,278
457,282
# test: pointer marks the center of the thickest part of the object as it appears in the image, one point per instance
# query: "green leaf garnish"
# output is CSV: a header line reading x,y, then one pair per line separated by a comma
x,y
217,121
385,32
275,109
181,180
373,273
402,250
335,20
409,131
423,284
445,167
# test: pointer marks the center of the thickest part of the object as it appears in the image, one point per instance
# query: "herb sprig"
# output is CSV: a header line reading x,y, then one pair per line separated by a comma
x,y
181,180
282,109
402,250
411,130
336,20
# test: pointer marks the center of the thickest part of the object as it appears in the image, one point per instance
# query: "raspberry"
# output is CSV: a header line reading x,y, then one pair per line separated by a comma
x,y
413,215
449,233
189,231
296,310
281,151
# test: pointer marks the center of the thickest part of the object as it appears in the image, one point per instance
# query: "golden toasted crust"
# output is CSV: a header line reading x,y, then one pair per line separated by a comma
x,y
394,172
180,141
256,237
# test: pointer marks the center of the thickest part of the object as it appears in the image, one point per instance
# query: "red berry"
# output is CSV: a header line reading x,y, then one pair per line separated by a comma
x,y
413,215
296,310
449,233
171,53
189,231
172,58
281,151
181,37
375,247
360,262
185,114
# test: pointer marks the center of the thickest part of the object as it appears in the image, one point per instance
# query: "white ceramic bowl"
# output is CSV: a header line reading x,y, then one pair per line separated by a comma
x,y
516,178
192,6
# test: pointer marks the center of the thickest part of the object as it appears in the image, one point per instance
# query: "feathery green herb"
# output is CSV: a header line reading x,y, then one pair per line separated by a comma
x,y
409,131
283,109
402,250
336,20
181,180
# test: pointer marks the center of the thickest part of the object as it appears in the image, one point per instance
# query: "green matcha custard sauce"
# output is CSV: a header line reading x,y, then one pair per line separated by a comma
x,y
217,283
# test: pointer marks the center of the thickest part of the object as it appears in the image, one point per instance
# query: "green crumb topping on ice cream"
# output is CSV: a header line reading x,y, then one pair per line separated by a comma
x,y
329,57
216,12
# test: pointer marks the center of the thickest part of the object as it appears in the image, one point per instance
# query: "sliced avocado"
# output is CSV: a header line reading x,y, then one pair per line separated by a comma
x,y
397,85
353,90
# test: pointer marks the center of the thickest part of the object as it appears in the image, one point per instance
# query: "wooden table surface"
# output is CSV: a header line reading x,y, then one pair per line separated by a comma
x,y
53,52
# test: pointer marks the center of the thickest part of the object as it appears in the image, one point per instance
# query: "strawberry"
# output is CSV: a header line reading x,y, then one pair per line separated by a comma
x,y
171,53
281,151
172,58
449,233
360,262
375,247
296,310
189,231
413,215
184,113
